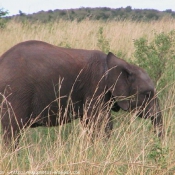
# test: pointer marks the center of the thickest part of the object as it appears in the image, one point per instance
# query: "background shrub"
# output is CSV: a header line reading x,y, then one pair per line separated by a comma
x,y
157,57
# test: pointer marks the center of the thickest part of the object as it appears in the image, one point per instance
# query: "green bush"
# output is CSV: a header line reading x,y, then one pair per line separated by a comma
x,y
3,20
157,57
103,43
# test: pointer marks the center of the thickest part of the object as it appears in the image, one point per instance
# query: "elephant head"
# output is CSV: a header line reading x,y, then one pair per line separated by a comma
x,y
133,90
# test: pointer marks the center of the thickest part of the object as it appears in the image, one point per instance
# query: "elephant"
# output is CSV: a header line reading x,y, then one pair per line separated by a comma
x,y
46,85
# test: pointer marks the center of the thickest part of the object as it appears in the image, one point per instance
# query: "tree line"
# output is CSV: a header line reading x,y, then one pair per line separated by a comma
x,y
101,13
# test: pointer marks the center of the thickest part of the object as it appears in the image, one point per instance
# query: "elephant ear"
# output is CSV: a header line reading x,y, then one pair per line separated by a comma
x,y
119,80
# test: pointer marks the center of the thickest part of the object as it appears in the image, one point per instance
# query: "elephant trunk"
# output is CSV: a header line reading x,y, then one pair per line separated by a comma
x,y
156,119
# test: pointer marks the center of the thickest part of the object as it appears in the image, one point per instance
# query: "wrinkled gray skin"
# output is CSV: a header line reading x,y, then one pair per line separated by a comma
x,y
38,80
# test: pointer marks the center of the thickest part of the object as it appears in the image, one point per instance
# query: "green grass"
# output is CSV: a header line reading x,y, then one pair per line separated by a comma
x,y
132,149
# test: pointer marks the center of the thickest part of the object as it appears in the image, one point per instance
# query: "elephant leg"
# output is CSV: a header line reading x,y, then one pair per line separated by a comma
x,y
11,127
109,127
10,138
158,125
15,116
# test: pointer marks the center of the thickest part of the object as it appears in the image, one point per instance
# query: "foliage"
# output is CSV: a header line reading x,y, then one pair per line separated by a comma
x,y
157,57
3,20
102,13
103,43
3,12
21,13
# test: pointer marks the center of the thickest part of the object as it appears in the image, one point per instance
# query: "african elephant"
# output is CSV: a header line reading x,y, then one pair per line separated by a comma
x,y
40,84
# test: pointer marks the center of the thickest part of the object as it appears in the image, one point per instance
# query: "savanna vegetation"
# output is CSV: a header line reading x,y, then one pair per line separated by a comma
x,y
133,148
99,13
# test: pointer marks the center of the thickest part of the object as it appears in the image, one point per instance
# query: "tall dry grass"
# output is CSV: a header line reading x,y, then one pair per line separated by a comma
x,y
83,34
132,148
